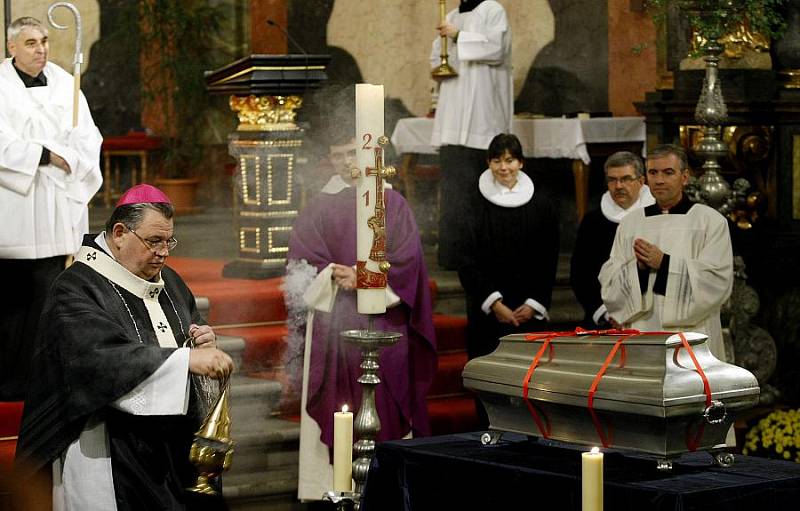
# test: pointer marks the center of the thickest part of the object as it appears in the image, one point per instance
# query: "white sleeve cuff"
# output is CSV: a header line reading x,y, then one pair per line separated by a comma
x,y
321,293
600,313
540,311
391,297
486,307
165,392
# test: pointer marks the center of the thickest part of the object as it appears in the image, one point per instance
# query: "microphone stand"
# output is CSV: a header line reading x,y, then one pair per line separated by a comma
x,y
289,38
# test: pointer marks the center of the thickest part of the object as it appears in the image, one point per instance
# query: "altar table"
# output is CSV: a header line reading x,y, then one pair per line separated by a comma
x,y
540,138
457,472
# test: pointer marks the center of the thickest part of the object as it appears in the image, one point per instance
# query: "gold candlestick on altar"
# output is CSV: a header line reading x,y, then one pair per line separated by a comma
x,y
444,70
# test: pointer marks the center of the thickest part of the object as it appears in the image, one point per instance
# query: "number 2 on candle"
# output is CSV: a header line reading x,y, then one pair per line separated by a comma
x,y
367,139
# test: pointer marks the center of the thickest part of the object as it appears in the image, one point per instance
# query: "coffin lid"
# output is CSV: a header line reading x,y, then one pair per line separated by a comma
x,y
657,371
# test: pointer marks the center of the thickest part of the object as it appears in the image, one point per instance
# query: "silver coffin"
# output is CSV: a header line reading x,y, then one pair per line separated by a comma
x,y
654,403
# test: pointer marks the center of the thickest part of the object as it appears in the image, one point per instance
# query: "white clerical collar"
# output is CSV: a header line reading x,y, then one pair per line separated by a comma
x,y
105,264
336,184
103,243
494,192
614,213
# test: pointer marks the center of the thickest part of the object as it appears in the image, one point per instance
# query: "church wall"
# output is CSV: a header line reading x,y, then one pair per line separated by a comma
x,y
631,56
565,57
560,49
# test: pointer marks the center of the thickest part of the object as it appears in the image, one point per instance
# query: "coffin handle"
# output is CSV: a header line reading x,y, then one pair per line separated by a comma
x,y
716,413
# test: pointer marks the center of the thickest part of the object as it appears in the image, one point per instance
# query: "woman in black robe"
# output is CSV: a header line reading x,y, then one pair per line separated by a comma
x,y
510,268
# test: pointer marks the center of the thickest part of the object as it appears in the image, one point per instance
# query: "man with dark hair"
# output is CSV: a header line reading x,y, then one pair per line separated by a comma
x,y
671,264
626,192
113,408
49,171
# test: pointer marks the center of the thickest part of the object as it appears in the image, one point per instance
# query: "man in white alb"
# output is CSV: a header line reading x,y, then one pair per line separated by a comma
x,y
671,264
49,171
472,108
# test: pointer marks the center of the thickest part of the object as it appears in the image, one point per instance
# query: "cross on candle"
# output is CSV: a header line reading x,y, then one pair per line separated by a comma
x,y
370,208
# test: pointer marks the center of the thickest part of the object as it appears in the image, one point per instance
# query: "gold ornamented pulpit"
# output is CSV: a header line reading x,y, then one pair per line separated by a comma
x,y
265,92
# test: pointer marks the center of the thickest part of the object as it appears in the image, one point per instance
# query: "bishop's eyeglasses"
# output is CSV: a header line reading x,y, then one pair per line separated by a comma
x,y
156,245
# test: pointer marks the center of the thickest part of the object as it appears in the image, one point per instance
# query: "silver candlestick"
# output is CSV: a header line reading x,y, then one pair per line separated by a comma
x,y
712,113
367,423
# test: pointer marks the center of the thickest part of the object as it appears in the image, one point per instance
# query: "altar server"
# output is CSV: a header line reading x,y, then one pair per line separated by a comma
x,y
472,108
49,171
626,192
671,264
113,409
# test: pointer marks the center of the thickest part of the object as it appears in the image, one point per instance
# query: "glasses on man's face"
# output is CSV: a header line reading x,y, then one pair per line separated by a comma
x,y
624,180
156,245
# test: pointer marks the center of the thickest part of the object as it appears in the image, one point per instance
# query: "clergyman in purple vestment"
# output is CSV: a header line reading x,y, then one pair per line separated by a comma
x,y
324,234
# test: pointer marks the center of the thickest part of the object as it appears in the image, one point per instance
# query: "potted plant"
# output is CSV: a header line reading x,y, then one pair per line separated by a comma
x,y
177,38
712,19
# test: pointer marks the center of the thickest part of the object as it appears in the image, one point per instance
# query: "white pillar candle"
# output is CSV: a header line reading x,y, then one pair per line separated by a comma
x,y
343,450
369,127
592,480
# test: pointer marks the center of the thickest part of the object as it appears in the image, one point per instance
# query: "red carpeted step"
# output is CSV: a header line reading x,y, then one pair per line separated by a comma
x,y
453,414
195,270
434,287
451,332
234,301
264,345
10,419
447,380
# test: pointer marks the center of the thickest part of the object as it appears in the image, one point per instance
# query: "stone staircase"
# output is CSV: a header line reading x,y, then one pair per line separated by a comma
x,y
263,475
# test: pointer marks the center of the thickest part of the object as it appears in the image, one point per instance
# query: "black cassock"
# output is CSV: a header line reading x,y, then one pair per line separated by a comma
x,y
513,250
88,355
592,247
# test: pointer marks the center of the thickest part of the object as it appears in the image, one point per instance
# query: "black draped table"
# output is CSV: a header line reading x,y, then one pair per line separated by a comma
x,y
456,472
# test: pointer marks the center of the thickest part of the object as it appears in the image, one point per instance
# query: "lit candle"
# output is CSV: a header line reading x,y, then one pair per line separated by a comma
x,y
592,480
369,127
343,450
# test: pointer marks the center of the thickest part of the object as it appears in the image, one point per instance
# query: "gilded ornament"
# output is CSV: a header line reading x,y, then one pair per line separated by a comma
x,y
266,113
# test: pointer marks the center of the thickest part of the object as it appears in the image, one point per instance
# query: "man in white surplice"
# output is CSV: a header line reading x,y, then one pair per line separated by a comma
x,y
114,405
671,264
49,171
472,108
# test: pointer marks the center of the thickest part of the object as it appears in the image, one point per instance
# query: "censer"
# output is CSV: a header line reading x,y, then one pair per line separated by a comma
x,y
212,449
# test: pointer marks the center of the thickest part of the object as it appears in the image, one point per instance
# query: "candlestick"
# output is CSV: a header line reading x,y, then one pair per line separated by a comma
x,y
343,451
370,212
444,70
592,480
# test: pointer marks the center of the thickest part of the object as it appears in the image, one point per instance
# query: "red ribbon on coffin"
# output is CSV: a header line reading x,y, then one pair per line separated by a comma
x,y
693,441
544,429
593,387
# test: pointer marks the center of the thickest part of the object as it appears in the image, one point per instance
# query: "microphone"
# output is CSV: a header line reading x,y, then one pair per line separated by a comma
x,y
289,38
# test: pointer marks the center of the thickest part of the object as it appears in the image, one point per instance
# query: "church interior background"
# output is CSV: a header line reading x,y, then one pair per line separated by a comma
x,y
571,57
